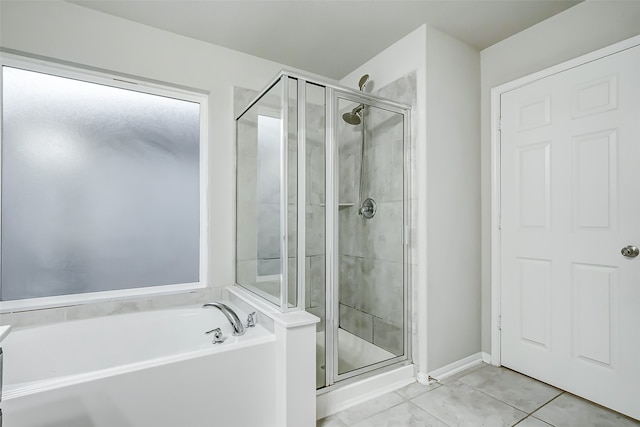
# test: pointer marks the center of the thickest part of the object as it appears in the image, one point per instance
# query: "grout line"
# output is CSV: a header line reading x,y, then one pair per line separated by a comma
x,y
418,395
597,405
531,416
515,407
373,415
433,415
547,402
496,399
508,404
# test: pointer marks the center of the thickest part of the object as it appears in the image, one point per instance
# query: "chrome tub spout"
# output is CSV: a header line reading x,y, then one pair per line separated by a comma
x,y
238,328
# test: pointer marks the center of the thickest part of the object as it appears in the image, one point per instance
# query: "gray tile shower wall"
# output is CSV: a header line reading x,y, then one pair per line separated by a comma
x,y
107,308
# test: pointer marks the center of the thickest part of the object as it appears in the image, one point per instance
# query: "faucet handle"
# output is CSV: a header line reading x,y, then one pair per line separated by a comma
x,y
218,338
252,319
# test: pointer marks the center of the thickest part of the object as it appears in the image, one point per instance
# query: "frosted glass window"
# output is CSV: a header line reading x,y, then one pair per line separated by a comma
x,y
100,187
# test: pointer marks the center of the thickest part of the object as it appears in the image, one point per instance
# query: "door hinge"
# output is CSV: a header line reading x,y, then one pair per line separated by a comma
x,y
499,222
499,124
500,322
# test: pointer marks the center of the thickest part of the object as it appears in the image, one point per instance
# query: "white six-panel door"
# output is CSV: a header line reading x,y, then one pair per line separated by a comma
x,y
570,201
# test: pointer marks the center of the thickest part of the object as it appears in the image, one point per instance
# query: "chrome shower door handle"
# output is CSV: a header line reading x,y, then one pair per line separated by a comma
x,y
630,251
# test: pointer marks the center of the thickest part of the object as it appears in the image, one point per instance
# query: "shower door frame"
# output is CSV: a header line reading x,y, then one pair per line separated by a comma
x,y
332,226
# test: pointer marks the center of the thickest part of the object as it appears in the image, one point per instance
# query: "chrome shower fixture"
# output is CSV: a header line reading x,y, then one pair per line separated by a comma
x,y
354,117
368,208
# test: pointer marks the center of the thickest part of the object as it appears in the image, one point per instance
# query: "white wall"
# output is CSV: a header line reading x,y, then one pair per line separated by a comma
x,y
397,60
579,30
453,204
68,32
445,126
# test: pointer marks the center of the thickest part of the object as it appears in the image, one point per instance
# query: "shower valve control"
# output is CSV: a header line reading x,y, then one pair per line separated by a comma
x,y
368,208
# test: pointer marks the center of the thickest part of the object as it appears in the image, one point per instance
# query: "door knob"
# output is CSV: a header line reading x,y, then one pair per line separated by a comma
x,y
630,251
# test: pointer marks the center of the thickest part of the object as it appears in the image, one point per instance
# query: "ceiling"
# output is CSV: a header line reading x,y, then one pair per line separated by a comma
x,y
328,37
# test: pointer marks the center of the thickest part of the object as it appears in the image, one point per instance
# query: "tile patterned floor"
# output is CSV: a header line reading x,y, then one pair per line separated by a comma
x,y
480,396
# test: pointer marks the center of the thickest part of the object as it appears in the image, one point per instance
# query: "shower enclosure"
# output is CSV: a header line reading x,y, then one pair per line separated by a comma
x,y
322,217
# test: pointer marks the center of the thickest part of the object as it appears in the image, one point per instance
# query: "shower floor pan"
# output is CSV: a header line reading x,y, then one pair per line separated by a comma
x,y
354,352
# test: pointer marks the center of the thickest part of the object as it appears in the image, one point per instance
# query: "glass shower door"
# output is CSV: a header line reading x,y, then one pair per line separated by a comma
x,y
371,300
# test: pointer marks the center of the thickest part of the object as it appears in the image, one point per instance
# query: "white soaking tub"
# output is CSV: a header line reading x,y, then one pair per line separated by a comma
x,y
145,369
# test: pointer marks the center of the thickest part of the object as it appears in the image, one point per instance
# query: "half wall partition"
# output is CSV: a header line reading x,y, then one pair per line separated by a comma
x,y
322,216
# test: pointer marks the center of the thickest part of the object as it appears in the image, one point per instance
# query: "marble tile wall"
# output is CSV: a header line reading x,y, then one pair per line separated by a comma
x,y
110,307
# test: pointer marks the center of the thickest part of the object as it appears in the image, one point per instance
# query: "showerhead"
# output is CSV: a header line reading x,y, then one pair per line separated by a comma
x,y
353,117
363,82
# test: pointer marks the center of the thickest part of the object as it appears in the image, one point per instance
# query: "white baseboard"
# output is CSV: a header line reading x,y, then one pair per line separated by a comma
x,y
458,366
353,394
486,358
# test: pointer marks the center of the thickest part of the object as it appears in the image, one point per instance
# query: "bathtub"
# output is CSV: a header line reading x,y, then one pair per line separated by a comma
x,y
145,369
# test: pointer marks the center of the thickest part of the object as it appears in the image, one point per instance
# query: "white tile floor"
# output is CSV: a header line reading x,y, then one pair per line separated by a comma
x,y
480,396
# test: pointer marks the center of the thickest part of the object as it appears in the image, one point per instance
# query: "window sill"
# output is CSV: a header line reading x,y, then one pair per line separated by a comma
x,y
92,297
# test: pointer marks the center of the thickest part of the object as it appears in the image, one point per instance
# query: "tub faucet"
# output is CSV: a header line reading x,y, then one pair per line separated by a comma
x,y
238,328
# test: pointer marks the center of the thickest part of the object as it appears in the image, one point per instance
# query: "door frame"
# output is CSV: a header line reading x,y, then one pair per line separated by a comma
x,y
496,244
